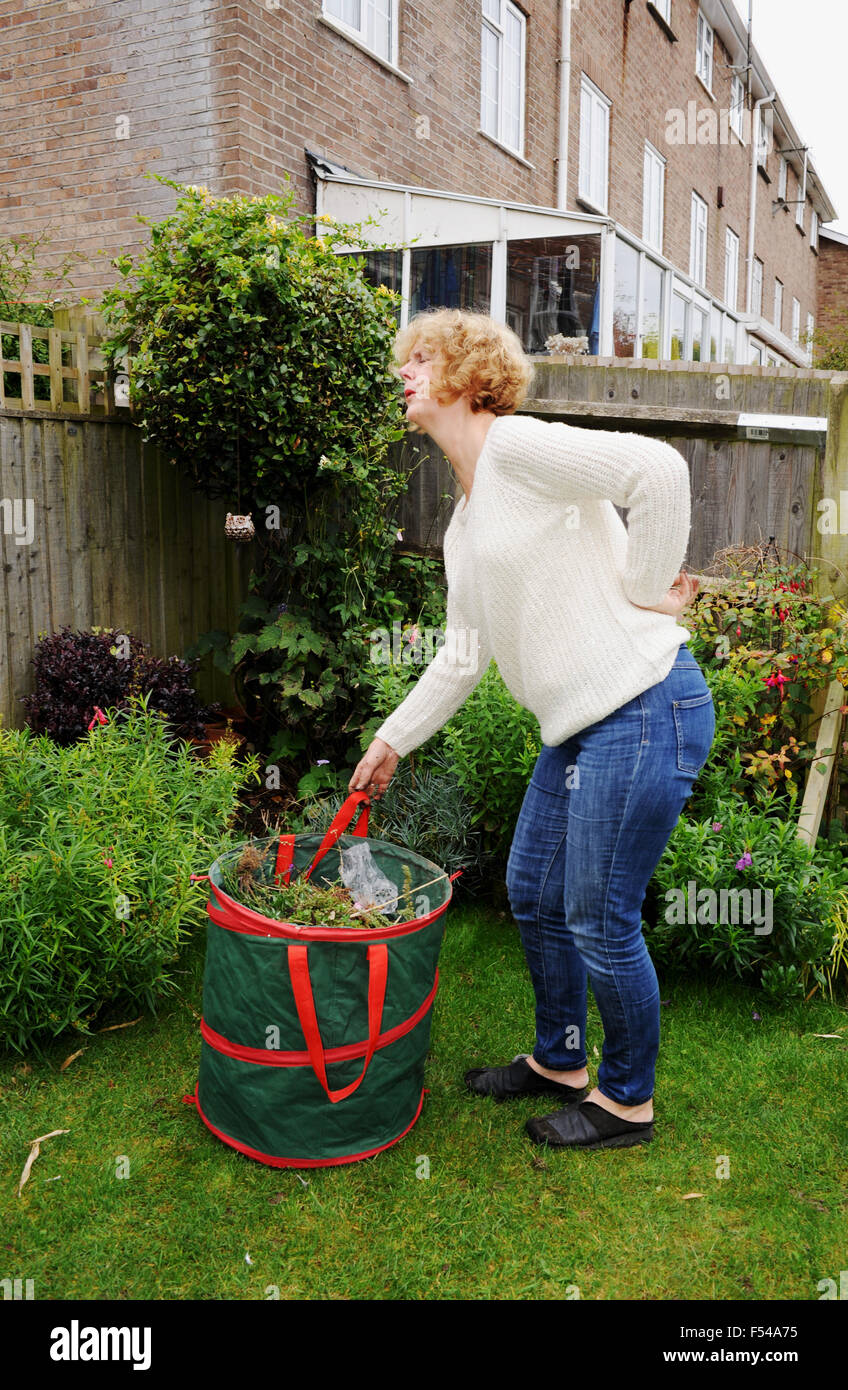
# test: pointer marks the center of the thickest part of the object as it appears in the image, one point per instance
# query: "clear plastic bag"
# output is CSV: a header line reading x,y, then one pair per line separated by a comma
x,y
366,883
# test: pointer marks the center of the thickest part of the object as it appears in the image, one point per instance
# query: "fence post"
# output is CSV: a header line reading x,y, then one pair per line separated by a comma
x,y
829,527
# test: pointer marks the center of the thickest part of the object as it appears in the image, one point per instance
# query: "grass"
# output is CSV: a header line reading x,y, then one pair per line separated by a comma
x,y
496,1219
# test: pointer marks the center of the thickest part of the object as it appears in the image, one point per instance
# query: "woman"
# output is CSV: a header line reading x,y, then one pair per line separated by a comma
x,y
579,613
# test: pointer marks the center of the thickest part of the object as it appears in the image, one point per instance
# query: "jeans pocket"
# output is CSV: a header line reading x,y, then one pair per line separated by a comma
x,y
694,721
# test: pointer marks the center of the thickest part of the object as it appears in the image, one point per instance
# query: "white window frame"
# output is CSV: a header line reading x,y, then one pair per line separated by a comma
x,y
737,104
781,177
777,315
497,27
731,268
814,230
664,7
704,53
593,178
808,339
364,34
799,210
796,321
757,288
653,197
699,215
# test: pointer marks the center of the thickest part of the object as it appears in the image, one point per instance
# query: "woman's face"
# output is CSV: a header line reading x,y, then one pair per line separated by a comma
x,y
416,375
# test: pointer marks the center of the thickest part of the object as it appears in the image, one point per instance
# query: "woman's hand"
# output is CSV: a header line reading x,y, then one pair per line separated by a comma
x,y
681,593
375,769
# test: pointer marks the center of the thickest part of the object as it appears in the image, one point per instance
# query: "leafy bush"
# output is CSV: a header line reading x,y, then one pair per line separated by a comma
x,y
742,850
766,644
98,842
424,809
260,363
78,671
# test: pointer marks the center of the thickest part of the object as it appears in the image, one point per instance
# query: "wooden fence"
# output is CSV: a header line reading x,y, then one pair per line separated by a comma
x,y
749,481
97,529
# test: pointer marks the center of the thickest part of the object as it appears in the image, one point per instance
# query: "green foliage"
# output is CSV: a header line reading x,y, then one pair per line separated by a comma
x,y
261,365
254,349
766,644
424,809
98,843
804,889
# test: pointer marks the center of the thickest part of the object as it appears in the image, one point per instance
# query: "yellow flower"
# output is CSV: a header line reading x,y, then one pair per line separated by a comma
x,y
324,218
827,655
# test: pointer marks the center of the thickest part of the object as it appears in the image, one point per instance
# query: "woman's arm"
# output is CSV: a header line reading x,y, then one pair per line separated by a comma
x,y
458,666
646,476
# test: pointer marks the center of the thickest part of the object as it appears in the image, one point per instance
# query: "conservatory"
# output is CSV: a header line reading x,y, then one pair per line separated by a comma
x,y
564,281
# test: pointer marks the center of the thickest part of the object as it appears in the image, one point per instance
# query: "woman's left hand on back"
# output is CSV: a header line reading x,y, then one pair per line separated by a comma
x,y
681,593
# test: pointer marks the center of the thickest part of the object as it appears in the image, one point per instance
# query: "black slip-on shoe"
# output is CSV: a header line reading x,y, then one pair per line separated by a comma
x,y
519,1079
588,1126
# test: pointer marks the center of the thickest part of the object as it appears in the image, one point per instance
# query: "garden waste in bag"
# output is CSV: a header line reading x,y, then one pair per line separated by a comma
x,y
314,1037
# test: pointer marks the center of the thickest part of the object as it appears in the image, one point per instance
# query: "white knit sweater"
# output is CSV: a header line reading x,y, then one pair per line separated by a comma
x,y
543,576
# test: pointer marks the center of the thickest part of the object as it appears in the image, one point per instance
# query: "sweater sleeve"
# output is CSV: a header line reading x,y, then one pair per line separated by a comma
x,y
458,666
647,476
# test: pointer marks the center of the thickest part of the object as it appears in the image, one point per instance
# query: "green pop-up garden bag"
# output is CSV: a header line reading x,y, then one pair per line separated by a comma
x,y
314,1039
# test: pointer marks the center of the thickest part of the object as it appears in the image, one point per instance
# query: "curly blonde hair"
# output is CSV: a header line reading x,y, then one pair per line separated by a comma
x,y
473,355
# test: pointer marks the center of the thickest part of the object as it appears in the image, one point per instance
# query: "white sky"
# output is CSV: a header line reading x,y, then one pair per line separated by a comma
x,y
804,48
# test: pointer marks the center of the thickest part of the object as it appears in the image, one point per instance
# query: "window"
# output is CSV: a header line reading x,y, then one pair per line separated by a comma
x,y
796,321
704,53
781,178
664,8
373,22
698,241
757,288
762,139
737,104
652,197
594,144
814,230
731,267
799,210
778,305
502,73
450,277
553,288
811,328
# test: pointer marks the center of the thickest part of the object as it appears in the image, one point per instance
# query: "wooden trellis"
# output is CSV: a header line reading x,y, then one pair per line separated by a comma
x,y
74,358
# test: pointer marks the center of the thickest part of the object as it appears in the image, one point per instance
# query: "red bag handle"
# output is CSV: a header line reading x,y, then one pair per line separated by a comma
x,y
378,964
340,823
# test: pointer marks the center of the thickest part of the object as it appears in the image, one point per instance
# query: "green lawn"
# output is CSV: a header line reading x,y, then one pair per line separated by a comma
x,y
497,1218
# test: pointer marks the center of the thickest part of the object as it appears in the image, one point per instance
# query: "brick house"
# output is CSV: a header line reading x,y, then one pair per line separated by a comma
x,y
621,172
832,311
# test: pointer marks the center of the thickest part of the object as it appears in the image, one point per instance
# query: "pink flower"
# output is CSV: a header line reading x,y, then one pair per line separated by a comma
x,y
745,862
716,825
99,717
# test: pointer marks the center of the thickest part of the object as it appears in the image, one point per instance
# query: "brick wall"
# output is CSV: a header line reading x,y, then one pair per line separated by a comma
x,y
228,94
832,309
626,53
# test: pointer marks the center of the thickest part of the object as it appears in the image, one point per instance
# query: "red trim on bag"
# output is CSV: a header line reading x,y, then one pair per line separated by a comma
x,y
300,1162
241,919
304,1002
285,855
268,1057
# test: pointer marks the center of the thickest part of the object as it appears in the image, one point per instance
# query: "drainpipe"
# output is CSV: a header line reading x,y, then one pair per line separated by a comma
x,y
752,196
564,64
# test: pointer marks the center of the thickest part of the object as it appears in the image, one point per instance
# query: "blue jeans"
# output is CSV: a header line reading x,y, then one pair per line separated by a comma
x,y
596,817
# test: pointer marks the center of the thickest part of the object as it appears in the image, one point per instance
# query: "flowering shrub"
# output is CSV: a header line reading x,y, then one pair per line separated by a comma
x,y
766,645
